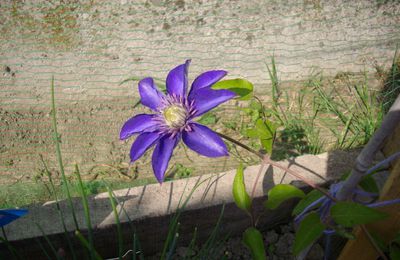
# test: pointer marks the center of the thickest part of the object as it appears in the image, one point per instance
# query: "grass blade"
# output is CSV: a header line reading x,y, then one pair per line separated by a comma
x,y
53,250
119,231
60,213
86,212
58,152
86,244
13,251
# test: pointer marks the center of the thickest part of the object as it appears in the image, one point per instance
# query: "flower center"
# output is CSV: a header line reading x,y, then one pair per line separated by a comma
x,y
175,116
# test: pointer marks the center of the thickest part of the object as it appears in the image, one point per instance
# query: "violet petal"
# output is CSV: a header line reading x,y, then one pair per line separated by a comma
x,y
150,95
206,79
204,141
162,154
136,124
9,215
206,99
177,80
142,143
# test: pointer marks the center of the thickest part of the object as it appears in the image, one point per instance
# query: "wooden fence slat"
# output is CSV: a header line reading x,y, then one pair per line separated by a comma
x,y
361,248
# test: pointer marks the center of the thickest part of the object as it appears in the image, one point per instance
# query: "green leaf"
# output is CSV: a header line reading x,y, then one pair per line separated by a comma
x,y
368,183
252,238
208,119
266,132
266,129
267,145
397,238
310,229
255,105
255,115
394,252
341,231
242,199
281,192
251,132
307,200
349,214
243,88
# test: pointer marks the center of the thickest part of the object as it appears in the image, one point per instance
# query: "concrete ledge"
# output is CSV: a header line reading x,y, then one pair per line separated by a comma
x,y
150,207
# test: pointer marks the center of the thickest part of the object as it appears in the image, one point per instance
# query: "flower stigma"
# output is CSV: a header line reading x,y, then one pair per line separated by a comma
x,y
175,116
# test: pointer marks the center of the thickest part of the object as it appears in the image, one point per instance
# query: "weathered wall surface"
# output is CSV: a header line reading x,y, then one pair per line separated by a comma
x,y
91,46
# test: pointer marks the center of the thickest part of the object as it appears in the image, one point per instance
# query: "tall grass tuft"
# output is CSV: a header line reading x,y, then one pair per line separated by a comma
x,y
359,114
391,87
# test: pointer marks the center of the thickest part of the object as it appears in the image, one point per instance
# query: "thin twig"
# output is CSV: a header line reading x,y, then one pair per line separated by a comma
x,y
260,170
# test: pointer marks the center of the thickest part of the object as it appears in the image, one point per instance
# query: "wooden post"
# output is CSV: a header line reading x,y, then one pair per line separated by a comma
x,y
361,248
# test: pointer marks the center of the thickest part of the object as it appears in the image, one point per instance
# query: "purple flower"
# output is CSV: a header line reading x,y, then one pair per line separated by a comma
x,y
9,215
173,117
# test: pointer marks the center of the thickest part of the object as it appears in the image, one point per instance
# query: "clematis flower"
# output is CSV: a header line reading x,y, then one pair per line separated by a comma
x,y
9,215
173,117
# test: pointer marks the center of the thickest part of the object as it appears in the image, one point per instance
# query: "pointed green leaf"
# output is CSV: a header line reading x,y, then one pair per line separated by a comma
x,y
267,144
397,238
368,183
341,231
266,132
266,129
251,132
349,214
243,88
307,200
252,238
281,192
310,229
242,199
395,252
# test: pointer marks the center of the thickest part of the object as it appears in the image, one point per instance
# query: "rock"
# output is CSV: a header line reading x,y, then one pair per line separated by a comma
x,y
271,237
316,252
274,257
185,252
286,228
284,244
236,246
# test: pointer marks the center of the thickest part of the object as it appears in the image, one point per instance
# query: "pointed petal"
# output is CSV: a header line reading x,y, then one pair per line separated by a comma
x,y
206,79
206,99
162,154
177,80
142,143
136,124
150,95
204,141
9,215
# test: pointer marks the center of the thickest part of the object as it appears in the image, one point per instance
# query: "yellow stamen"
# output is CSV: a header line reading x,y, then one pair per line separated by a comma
x,y
175,116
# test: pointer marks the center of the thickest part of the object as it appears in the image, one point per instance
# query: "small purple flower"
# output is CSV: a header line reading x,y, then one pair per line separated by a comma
x,y
173,117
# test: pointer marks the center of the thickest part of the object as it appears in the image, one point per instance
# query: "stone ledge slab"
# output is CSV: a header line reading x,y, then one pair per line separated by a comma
x,y
150,207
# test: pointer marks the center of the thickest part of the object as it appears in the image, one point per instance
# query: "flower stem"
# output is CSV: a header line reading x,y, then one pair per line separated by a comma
x,y
259,154
266,160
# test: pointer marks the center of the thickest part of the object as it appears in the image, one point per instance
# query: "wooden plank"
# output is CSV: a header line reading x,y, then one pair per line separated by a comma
x,y
361,248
